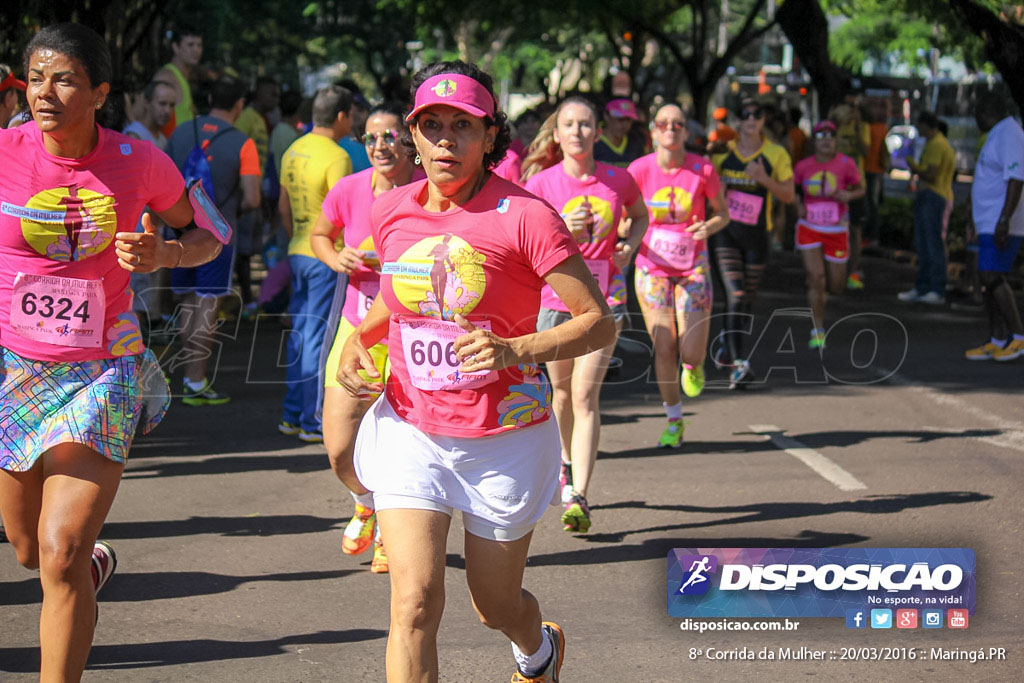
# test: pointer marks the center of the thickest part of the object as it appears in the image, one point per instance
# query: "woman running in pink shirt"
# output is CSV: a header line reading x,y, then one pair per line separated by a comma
x,y
464,423
76,379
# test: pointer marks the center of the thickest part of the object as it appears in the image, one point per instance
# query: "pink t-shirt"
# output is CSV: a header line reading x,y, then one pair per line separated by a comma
x,y
820,181
485,261
510,167
58,268
607,192
347,207
675,200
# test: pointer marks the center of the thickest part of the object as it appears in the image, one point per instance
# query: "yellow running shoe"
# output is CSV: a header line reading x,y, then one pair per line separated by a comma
x,y
1015,349
693,380
817,340
359,532
986,351
672,437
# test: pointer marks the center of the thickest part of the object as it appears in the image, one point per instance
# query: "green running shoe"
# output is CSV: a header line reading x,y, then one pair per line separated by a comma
x,y
672,437
693,380
205,396
576,518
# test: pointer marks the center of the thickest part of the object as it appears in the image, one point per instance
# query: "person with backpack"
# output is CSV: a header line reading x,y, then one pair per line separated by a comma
x,y
211,150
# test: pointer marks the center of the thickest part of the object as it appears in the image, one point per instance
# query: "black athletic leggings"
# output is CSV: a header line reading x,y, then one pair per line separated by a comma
x,y
741,252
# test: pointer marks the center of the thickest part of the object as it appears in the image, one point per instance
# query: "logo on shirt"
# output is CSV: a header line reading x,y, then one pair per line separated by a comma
x,y
445,88
527,402
670,205
599,222
503,205
438,277
821,184
66,223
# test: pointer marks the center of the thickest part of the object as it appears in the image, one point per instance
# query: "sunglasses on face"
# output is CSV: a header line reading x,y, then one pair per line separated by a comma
x,y
668,125
751,114
824,135
388,136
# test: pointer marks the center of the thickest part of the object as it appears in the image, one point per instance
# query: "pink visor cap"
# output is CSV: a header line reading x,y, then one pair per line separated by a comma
x,y
455,90
622,109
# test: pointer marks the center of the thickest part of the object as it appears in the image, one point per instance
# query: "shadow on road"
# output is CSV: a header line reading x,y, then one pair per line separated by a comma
x,y
142,586
810,439
616,419
851,438
172,652
299,463
659,547
270,525
690,448
744,514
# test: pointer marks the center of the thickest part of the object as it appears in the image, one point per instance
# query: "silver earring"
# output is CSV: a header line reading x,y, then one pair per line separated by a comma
x,y
417,160
99,104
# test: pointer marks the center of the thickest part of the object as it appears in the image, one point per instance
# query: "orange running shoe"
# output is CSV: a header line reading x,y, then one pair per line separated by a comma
x,y
379,563
552,672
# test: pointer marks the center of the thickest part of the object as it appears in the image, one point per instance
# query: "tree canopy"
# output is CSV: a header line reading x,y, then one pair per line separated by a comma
x,y
667,47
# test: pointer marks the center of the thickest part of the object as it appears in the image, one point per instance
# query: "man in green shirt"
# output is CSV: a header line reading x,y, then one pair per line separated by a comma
x,y
935,170
186,51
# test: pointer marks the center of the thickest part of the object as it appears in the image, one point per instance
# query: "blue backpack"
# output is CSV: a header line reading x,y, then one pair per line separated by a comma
x,y
196,165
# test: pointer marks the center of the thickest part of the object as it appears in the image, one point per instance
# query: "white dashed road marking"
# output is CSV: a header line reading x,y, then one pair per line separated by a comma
x,y
827,469
1012,435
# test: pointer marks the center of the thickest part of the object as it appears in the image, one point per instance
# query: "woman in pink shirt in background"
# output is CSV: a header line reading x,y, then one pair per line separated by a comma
x,y
592,198
673,277
346,215
464,422
75,377
826,183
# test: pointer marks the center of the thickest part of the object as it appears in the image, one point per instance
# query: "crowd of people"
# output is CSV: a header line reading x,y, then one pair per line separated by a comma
x,y
456,286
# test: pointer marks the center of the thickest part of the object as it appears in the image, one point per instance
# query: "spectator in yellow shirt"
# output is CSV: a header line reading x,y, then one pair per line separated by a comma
x,y
309,169
936,169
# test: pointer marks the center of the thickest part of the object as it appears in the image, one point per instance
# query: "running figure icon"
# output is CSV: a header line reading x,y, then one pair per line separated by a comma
x,y
697,571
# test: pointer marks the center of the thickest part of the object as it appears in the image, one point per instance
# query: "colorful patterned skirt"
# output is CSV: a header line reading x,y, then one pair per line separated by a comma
x,y
96,403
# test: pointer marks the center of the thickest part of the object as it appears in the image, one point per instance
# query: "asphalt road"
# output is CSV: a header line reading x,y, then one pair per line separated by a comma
x,y
228,533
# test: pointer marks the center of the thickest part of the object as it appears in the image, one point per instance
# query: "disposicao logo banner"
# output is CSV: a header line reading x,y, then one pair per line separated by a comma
x,y
816,582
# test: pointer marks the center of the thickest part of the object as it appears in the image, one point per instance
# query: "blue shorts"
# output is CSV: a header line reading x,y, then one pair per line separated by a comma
x,y
209,279
992,259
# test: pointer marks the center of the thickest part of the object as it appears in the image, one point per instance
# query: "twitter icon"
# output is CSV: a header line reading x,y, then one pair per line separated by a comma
x,y
881,618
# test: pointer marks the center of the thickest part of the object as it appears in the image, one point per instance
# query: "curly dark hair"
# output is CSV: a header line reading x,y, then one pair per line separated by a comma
x,y
78,42
500,119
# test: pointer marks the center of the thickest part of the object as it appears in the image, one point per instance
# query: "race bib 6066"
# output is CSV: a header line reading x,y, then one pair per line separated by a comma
x,y
428,346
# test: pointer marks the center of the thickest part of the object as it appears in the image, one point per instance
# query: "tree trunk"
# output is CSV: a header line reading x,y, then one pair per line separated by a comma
x,y
1004,44
805,25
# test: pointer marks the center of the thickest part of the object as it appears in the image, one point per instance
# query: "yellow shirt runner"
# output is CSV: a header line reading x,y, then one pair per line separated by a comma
x,y
309,169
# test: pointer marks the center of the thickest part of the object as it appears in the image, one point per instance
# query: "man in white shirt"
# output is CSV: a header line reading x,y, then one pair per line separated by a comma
x,y
998,222
161,98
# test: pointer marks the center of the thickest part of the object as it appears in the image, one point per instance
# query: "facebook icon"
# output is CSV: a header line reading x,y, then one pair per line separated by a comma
x,y
856,618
